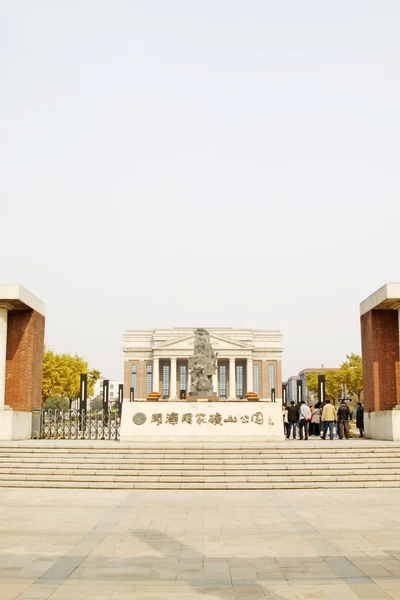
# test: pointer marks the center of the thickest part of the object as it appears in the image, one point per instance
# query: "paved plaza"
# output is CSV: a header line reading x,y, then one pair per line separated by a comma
x,y
70,544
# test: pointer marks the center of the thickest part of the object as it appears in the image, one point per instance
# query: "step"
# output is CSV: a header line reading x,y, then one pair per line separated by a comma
x,y
166,466
307,448
203,479
199,486
198,472
205,460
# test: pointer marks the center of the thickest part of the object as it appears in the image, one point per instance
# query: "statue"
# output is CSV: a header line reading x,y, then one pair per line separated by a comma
x,y
202,365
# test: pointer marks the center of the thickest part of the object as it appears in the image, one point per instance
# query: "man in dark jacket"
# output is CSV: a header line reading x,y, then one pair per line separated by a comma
x,y
343,417
293,417
360,418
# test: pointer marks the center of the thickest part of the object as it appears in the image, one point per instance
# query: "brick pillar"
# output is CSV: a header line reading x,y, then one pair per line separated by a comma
x,y
24,360
380,352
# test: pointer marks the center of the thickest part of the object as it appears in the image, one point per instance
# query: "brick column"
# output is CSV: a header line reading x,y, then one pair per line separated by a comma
x,y
3,353
24,365
380,351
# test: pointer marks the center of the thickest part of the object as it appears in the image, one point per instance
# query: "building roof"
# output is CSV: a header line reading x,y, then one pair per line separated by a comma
x,y
318,370
386,298
15,297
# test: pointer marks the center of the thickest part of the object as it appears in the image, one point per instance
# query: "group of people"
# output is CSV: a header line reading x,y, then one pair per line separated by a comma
x,y
320,419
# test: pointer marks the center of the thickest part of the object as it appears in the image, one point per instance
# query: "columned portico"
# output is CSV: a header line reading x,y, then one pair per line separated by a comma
x,y
248,361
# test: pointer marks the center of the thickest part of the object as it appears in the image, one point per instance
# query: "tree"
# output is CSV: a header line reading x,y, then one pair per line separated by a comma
x,y
332,383
53,375
96,403
352,375
61,376
57,402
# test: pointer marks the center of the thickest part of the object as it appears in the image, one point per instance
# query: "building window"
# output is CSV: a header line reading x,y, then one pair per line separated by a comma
x,y
239,381
182,382
165,381
149,379
133,379
256,370
222,382
271,375
182,378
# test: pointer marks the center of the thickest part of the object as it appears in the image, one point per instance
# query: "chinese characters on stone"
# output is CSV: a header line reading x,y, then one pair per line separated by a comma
x,y
202,418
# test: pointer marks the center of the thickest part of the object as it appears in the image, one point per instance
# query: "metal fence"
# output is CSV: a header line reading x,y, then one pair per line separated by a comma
x,y
79,425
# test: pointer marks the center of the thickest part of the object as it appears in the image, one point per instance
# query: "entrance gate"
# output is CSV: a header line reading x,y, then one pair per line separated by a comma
x,y
79,425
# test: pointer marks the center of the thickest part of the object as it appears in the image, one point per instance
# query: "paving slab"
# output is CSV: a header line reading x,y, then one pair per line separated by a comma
x,y
66,544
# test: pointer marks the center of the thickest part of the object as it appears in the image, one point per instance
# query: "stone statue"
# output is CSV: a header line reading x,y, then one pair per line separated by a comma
x,y
202,365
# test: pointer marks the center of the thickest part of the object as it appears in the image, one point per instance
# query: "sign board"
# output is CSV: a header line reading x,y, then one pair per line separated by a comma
x,y
191,421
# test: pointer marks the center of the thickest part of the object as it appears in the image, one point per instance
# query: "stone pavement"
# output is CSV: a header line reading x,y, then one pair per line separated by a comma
x,y
186,545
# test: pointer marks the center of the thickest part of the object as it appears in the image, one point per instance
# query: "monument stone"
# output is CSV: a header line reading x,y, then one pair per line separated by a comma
x,y
202,365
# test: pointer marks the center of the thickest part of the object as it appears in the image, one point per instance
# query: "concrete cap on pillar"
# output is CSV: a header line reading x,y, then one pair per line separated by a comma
x,y
386,298
16,297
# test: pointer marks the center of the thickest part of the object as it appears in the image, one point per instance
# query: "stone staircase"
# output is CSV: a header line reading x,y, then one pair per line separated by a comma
x,y
290,465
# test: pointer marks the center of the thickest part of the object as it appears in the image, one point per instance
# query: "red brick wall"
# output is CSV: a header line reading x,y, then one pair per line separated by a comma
x,y
24,366
380,352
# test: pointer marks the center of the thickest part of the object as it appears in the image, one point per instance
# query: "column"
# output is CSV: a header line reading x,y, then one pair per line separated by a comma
x,y
232,379
215,383
250,376
3,352
264,380
189,380
156,375
172,378
397,366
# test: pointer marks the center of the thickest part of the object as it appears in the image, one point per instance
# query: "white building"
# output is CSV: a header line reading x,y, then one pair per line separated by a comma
x,y
112,389
248,361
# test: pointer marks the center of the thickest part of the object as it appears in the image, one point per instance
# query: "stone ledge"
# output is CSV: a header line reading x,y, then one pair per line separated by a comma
x,y
15,424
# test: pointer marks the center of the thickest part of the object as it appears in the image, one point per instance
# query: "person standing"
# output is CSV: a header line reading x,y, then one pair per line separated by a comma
x,y
285,420
305,417
297,426
293,415
360,418
343,417
328,419
316,420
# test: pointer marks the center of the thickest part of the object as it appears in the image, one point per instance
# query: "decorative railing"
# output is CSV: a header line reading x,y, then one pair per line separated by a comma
x,y
79,425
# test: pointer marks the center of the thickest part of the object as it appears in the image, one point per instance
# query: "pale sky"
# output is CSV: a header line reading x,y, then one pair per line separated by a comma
x,y
200,163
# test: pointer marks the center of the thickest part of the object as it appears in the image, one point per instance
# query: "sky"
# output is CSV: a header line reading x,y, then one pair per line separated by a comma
x,y
200,163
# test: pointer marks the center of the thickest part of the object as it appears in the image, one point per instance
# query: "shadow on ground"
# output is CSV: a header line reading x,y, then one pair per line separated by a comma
x,y
218,587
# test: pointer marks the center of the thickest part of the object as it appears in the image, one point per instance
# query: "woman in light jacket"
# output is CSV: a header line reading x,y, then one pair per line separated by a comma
x,y
315,421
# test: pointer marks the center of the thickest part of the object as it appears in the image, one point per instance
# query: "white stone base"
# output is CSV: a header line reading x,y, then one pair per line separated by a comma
x,y
15,424
220,421
383,425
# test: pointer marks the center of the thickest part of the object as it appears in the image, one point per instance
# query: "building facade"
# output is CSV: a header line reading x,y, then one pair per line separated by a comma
x,y
248,361
309,397
292,388
113,386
